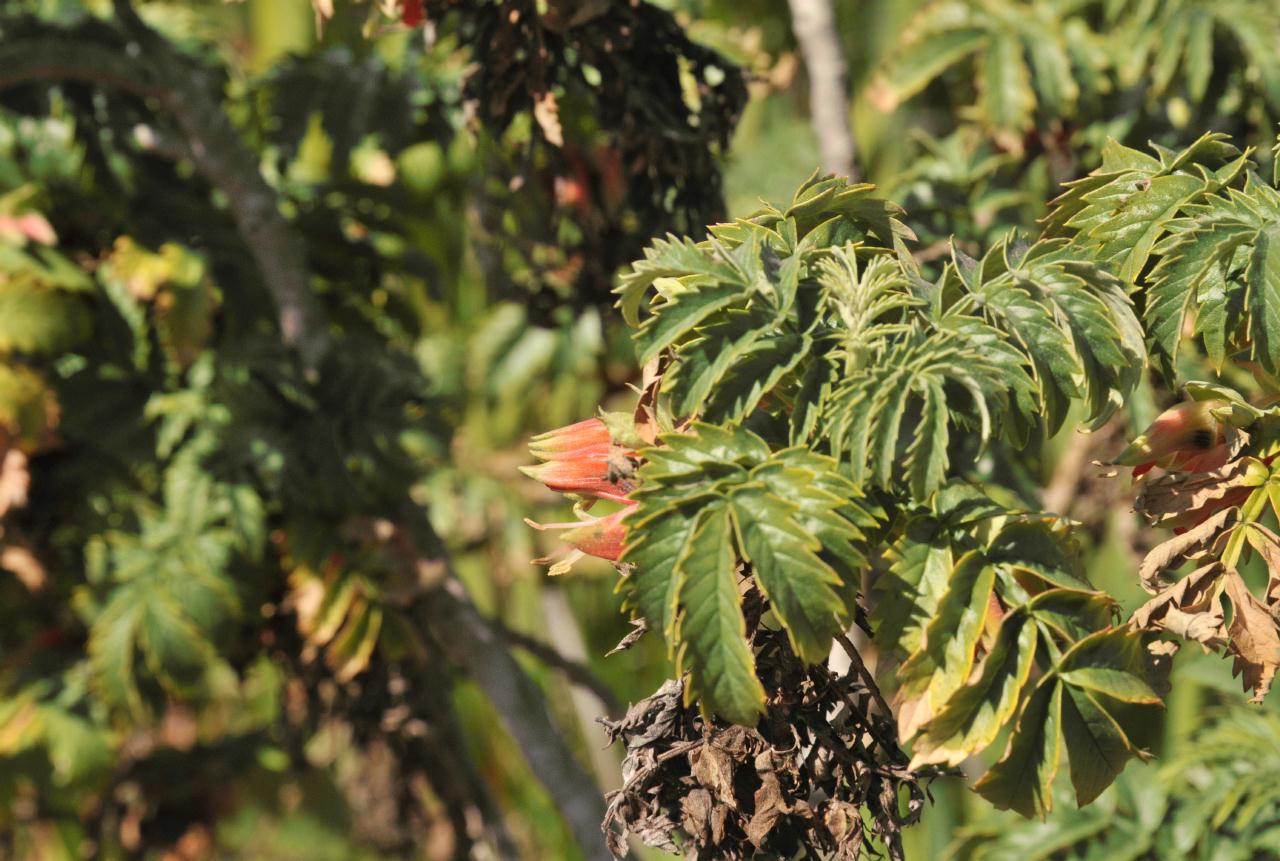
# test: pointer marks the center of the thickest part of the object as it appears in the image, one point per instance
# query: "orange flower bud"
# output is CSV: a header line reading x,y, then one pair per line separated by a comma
x,y
602,537
1186,437
584,434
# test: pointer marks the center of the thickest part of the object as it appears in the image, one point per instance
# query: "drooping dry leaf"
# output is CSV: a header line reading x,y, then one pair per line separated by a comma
x,y
1190,608
1189,545
713,768
1186,498
1267,543
646,415
1255,641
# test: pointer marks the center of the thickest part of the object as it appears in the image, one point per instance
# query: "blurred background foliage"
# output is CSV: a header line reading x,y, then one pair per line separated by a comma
x,y
203,652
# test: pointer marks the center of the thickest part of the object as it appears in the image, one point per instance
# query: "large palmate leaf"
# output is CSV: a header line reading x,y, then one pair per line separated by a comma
x,y
976,600
715,506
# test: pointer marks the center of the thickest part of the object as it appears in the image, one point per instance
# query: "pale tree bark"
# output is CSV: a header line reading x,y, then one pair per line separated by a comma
x,y
814,24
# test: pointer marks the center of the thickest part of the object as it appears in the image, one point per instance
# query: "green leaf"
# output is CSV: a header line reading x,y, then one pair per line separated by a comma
x,y
1041,547
1263,298
683,309
909,592
800,586
1023,778
924,59
1005,97
656,542
976,714
711,630
672,258
1110,662
943,663
1072,614
1097,747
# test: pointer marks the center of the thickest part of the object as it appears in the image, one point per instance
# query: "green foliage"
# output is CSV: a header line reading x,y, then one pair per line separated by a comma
x,y
1215,799
714,501
1192,232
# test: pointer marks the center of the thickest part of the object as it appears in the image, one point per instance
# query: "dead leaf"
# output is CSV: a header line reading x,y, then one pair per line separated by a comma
x,y
1182,498
1190,608
713,769
646,415
695,809
1188,545
769,807
547,113
1255,642
1267,543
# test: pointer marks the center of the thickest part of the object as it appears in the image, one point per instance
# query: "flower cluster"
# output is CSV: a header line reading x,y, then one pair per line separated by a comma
x,y
583,461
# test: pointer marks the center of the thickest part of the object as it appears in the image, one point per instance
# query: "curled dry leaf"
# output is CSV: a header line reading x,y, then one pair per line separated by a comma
x,y
1267,544
1190,608
1190,545
1180,499
1255,642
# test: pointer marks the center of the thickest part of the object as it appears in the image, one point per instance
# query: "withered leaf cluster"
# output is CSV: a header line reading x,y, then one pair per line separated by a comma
x,y
1215,535
796,783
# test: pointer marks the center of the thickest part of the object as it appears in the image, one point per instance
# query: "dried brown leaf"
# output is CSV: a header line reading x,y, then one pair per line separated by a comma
x,y
1255,641
713,769
769,808
1185,497
1267,543
1189,545
1190,608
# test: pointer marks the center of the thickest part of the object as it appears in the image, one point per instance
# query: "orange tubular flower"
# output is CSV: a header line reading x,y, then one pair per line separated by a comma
x,y
579,459
1186,438
586,434
602,537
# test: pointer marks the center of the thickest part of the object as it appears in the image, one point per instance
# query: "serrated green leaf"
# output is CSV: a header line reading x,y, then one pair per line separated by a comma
x,y
657,541
800,586
680,313
1263,297
710,630
1097,748
672,258
1023,778
976,714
